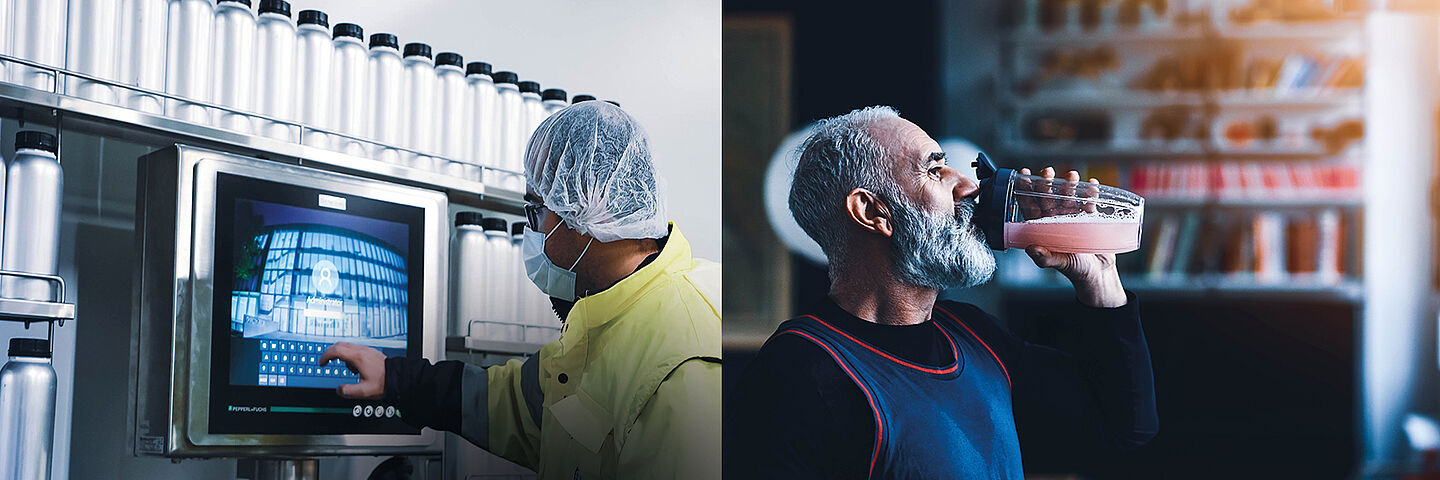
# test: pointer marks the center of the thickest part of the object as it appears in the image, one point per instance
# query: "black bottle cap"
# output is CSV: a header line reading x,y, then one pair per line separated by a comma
x,y
493,223
582,98
468,218
480,68
246,2
275,6
348,30
517,228
30,347
612,102
450,58
384,40
35,140
506,77
529,87
553,94
417,49
313,17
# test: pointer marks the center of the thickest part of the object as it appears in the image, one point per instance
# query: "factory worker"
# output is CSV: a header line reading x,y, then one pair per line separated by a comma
x,y
885,380
632,387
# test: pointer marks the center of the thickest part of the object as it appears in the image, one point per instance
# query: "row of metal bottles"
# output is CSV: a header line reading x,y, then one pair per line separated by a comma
x,y
291,68
491,297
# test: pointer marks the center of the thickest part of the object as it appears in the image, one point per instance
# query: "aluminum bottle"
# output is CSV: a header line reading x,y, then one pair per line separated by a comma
x,y
7,7
533,110
554,100
188,58
39,36
348,81
93,47
142,53
450,68
512,139
419,102
501,282
387,75
483,140
27,410
467,273
234,76
521,295
31,239
315,69
275,64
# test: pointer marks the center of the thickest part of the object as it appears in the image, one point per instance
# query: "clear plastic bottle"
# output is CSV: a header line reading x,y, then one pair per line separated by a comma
x,y
93,47
450,68
27,410
554,100
142,53
512,126
484,145
39,36
387,77
419,101
31,237
315,66
275,62
234,77
188,55
350,81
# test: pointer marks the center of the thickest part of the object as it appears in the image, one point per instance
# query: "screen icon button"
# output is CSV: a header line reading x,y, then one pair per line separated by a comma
x,y
390,412
325,276
369,411
356,411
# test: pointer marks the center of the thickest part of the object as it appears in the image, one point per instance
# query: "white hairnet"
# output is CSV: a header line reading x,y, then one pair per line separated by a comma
x,y
591,165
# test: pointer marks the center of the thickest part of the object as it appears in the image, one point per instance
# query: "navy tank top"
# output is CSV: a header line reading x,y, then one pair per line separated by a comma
x,y
949,421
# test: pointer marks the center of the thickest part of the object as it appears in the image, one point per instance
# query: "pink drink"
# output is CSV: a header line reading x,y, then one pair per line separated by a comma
x,y
1077,233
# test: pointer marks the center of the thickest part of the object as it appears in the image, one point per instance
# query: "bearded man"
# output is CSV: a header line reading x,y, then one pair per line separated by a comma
x,y
884,381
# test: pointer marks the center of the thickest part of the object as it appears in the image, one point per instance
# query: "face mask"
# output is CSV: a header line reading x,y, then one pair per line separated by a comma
x,y
552,280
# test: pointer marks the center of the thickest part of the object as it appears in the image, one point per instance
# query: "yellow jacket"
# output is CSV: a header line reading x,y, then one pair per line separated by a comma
x,y
631,389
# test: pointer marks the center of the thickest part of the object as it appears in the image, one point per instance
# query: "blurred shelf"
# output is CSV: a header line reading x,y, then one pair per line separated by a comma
x,y
1207,286
1340,201
1301,98
1102,149
1104,99
1295,31
1168,34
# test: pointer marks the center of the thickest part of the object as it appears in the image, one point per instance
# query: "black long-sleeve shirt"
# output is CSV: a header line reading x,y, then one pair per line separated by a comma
x,y
796,415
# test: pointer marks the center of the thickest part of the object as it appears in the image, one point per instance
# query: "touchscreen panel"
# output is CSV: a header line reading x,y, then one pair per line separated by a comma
x,y
298,269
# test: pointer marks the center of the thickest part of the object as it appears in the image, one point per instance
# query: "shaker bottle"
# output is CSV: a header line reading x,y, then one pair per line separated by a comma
x,y
1016,211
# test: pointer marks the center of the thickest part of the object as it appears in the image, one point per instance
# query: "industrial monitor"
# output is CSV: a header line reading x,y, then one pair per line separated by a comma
x,y
249,270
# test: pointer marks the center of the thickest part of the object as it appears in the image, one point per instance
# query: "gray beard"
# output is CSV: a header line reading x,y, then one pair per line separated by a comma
x,y
940,251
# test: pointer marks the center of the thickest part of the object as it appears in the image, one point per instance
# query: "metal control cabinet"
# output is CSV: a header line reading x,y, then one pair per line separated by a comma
x,y
171,331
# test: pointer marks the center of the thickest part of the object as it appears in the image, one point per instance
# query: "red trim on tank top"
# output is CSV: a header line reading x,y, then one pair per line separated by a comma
x,y
982,343
879,424
954,350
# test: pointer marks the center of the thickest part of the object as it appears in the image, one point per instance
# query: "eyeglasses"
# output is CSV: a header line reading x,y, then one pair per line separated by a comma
x,y
533,215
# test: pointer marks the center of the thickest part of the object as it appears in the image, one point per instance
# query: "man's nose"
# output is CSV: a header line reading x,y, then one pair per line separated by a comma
x,y
964,185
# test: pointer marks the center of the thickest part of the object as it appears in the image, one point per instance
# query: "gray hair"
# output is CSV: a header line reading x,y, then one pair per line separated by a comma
x,y
839,157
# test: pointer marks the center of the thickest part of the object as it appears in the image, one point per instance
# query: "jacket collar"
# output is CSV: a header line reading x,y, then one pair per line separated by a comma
x,y
596,310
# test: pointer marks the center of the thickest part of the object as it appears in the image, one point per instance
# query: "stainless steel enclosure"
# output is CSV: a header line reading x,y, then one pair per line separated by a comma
x,y
171,333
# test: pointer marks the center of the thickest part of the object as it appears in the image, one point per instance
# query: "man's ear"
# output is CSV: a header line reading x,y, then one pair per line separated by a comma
x,y
865,209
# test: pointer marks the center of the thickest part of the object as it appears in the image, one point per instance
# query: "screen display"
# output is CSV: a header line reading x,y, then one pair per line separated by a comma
x,y
297,270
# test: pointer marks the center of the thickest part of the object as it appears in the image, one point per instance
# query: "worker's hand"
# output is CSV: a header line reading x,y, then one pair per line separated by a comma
x,y
368,362
1096,280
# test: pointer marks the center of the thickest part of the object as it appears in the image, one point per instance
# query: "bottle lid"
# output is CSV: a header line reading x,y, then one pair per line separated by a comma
x,y
506,77
314,17
384,40
417,49
517,228
612,102
246,2
450,58
529,87
35,140
553,94
30,347
347,30
275,6
468,218
477,68
493,223
582,98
